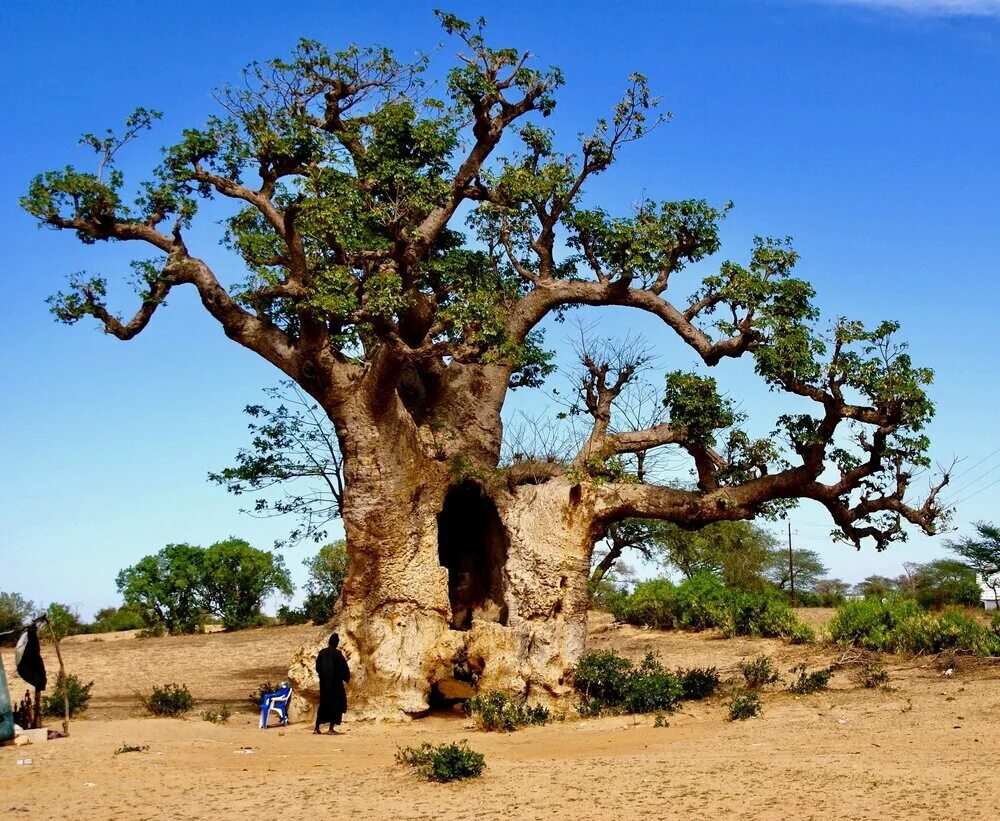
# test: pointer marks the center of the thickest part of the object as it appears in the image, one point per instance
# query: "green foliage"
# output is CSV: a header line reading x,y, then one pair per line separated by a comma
x,y
609,683
982,554
759,672
443,762
872,623
15,610
131,748
698,683
899,625
808,683
217,716
53,704
169,700
235,579
660,720
498,711
735,551
807,564
114,619
703,602
63,621
945,582
176,588
744,704
166,588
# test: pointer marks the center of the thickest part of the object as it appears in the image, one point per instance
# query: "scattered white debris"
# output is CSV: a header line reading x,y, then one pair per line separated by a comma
x,y
89,784
23,762
949,672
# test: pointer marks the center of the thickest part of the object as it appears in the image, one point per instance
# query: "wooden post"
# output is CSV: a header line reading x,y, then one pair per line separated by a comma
x,y
791,565
62,674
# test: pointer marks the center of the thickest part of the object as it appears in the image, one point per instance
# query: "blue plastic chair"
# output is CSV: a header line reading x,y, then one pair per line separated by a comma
x,y
276,702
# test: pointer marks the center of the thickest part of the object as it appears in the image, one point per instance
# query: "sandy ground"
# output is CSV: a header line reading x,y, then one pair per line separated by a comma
x,y
925,749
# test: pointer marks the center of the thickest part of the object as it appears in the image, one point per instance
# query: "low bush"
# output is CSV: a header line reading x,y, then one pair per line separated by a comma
x,y
743,705
702,602
898,625
759,673
497,711
608,682
660,720
444,762
808,683
872,675
53,704
698,682
217,716
169,700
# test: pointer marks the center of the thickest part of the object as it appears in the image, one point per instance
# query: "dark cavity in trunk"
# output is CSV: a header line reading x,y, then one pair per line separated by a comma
x,y
472,547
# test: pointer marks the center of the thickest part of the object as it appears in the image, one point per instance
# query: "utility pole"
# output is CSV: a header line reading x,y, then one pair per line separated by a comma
x,y
791,565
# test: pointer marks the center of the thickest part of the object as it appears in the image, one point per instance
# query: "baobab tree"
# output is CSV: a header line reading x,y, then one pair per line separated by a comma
x,y
350,184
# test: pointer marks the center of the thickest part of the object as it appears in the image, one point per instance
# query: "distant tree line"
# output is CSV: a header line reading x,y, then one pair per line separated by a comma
x,y
183,587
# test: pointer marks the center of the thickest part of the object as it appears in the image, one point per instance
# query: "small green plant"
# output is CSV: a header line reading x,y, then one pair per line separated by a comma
x,y
743,705
131,748
698,682
660,720
444,762
609,683
872,675
78,692
808,683
217,716
257,698
759,673
498,711
169,700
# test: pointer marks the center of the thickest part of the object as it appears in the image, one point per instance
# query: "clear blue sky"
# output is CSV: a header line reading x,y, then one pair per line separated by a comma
x,y
868,131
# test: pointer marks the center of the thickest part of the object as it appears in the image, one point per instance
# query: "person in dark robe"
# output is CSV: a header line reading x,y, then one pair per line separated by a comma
x,y
333,672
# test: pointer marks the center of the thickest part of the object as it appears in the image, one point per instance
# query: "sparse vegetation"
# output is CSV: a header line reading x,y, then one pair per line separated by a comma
x,y
744,704
53,704
660,720
808,683
170,700
759,672
872,675
498,711
131,748
217,716
443,762
698,682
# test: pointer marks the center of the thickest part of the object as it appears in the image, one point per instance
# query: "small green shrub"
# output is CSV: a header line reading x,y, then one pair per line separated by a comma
x,y
759,673
652,604
660,720
169,700
698,682
801,633
610,683
257,698
497,711
872,623
872,675
808,683
444,762
743,705
217,716
131,748
53,704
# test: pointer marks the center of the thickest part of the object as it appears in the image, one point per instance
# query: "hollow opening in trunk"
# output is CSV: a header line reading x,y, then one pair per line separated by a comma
x,y
472,547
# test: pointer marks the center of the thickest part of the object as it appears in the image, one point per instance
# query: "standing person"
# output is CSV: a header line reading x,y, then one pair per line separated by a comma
x,y
333,672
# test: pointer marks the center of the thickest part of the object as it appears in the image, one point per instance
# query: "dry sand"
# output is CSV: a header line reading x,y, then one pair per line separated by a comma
x,y
925,749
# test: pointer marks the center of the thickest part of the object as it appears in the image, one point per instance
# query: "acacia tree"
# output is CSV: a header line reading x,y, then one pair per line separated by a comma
x,y
349,182
982,553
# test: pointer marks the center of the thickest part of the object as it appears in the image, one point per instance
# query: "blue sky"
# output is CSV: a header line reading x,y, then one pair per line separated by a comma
x,y
865,130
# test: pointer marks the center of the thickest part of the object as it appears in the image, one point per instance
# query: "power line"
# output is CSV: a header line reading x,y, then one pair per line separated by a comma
x,y
968,485
972,495
973,467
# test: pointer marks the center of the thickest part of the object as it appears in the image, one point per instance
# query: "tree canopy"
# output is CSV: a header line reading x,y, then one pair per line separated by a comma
x,y
981,553
349,177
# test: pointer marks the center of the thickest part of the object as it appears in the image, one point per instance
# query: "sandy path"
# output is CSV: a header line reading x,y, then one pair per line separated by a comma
x,y
924,750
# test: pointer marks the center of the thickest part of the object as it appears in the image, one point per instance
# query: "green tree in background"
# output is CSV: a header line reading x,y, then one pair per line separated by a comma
x,y
166,588
236,578
63,620
982,553
808,566
15,610
943,582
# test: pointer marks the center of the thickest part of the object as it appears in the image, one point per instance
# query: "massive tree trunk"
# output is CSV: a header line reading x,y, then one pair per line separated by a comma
x,y
458,579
